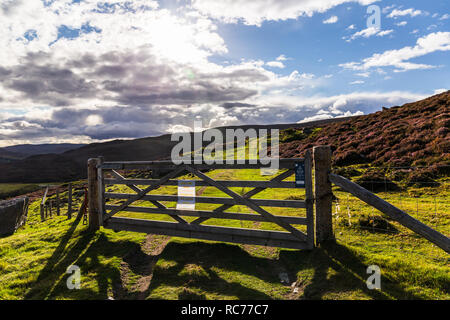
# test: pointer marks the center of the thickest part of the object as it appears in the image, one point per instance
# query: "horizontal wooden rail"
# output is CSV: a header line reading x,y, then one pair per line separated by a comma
x,y
226,234
210,214
237,164
398,215
201,183
213,200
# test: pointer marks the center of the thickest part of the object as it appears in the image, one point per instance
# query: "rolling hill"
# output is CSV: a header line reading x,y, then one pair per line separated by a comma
x,y
22,151
71,165
26,150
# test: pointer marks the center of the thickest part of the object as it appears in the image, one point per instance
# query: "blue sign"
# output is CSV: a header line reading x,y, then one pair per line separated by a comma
x,y
299,174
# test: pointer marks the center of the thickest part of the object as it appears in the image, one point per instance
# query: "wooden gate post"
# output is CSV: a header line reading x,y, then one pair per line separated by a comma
x,y
322,193
93,195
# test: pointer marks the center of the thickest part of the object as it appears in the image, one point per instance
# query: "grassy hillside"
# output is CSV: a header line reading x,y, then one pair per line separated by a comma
x,y
126,265
9,190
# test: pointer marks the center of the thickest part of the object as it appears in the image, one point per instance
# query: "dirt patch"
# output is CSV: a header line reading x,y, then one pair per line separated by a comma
x,y
139,263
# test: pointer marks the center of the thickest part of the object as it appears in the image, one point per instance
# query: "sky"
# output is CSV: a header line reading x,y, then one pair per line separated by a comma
x,y
85,71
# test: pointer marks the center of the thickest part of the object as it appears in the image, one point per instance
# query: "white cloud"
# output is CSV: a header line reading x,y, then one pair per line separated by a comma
x,y
384,33
388,8
369,32
439,41
351,27
282,57
439,91
322,116
401,24
275,64
355,104
94,120
445,17
331,20
357,82
341,102
407,12
363,74
258,11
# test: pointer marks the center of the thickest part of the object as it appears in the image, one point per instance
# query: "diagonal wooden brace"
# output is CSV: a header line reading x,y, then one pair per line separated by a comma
x,y
249,194
153,186
247,202
154,202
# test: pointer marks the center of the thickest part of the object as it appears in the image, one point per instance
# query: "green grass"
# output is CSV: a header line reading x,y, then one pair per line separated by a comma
x,y
127,265
9,190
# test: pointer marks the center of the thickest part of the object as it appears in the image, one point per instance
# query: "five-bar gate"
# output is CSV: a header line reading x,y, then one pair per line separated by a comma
x,y
102,174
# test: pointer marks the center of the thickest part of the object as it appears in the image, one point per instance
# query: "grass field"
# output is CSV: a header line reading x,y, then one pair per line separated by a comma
x,y
126,265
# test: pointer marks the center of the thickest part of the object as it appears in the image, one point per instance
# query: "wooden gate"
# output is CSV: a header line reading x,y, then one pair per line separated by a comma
x,y
102,213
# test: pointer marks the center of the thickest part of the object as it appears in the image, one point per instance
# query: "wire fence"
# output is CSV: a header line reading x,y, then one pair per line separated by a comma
x,y
427,201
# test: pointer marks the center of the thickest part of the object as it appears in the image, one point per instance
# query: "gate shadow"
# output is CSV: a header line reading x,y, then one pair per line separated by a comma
x,y
200,269
83,252
348,274
206,259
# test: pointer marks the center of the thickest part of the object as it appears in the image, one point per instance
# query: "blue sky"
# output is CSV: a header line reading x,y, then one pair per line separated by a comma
x,y
318,48
88,70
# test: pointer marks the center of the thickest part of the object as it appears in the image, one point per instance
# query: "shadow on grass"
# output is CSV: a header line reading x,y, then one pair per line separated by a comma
x,y
199,269
84,252
194,266
348,274
336,271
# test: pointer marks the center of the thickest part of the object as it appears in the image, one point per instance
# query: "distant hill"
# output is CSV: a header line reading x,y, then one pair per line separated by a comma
x,y
415,134
71,164
8,156
25,150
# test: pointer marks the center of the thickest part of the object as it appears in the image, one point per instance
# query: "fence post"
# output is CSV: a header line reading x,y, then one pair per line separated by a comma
x,y
69,202
322,193
58,211
42,212
93,194
101,190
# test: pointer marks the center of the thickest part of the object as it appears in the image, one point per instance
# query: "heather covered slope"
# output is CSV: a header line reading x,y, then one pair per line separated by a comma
x,y
415,134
